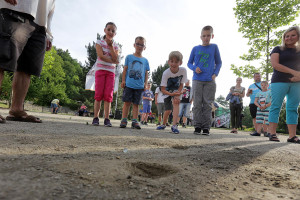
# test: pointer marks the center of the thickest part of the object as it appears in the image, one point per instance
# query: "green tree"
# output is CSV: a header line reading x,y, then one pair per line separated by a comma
x,y
259,21
51,83
221,100
157,75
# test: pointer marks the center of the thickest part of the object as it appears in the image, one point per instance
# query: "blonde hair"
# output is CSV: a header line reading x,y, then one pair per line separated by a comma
x,y
175,54
293,28
265,82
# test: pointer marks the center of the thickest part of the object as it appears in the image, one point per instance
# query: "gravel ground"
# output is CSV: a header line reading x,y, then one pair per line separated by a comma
x,y
65,157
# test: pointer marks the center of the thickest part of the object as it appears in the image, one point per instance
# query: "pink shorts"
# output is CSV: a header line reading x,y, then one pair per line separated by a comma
x,y
104,85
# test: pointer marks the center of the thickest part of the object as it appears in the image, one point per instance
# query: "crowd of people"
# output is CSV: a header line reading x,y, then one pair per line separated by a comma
x,y
26,35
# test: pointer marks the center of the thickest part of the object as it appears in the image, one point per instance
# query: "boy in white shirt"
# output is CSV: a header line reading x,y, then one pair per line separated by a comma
x,y
171,85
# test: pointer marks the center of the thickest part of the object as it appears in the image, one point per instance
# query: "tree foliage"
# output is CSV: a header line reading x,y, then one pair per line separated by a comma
x,y
259,21
157,75
221,100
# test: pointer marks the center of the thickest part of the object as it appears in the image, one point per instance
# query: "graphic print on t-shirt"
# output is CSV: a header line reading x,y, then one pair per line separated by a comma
x,y
135,70
204,58
173,83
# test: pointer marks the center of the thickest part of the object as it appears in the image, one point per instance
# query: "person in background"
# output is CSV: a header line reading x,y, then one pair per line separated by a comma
x,y
185,103
159,101
236,107
147,103
54,106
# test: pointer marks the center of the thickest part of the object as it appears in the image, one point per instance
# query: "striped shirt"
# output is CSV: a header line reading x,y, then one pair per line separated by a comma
x,y
102,65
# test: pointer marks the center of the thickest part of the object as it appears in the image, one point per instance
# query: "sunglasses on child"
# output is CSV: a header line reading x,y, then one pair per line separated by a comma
x,y
140,45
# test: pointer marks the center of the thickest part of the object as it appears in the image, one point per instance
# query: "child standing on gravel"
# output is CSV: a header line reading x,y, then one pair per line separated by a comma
x,y
107,58
205,62
134,82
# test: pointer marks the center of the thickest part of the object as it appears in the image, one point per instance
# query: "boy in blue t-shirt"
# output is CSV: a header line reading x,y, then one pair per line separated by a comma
x,y
134,81
147,103
205,62
263,103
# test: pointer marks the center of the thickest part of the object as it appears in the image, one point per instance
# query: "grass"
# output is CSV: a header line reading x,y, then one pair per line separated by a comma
x,y
3,105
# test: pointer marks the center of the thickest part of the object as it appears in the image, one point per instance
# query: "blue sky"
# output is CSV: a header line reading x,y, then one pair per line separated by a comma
x,y
167,25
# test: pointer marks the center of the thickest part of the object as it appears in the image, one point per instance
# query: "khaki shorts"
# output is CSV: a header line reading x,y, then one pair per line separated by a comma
x,y
22,42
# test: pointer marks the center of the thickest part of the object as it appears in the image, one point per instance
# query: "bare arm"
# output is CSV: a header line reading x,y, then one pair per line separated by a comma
x,y
102,56
146,80
124,76
256,103
113,52
155,97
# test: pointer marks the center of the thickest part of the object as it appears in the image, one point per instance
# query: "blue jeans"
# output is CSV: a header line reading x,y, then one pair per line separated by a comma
x,y
184,110
292,93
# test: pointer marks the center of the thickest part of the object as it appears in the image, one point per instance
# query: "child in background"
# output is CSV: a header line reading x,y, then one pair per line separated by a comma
x,y
147,103
172,84
263,103
205,62
134,82
159,101
107,58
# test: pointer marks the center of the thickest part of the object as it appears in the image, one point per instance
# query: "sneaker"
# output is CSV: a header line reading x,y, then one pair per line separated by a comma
x,y
255,134
123,124
167,124
146,123
205,132
107,123
135,125
158,124
174,129
161,127
142,122
197,131
95,121
183,125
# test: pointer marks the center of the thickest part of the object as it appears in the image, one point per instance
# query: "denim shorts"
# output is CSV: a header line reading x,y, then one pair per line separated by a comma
x,y
22,42
132,95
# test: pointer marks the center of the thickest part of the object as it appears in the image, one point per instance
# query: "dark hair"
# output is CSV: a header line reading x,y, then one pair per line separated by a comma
x,y
110,23
208,28
140,38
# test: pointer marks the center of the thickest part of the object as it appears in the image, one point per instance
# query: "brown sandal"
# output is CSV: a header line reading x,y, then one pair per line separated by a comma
x,y
274,138
2,120
22,116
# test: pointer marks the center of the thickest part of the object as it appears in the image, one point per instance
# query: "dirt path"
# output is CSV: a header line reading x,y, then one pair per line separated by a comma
x,y
64,158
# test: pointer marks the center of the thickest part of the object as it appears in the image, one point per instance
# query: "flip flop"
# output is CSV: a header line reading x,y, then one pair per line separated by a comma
x,y
2,121
22,116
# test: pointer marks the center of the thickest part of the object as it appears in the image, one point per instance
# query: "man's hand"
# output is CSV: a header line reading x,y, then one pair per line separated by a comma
x,y
12,2
198,70
48,45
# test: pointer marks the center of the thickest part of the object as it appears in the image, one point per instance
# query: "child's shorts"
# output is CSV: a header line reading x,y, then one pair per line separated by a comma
x,y
262,117
132,95
147,108
104,85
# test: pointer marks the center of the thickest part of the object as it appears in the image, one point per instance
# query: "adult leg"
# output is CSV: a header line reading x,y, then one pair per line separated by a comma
x,y
21,82
292,103
232,116
238,115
